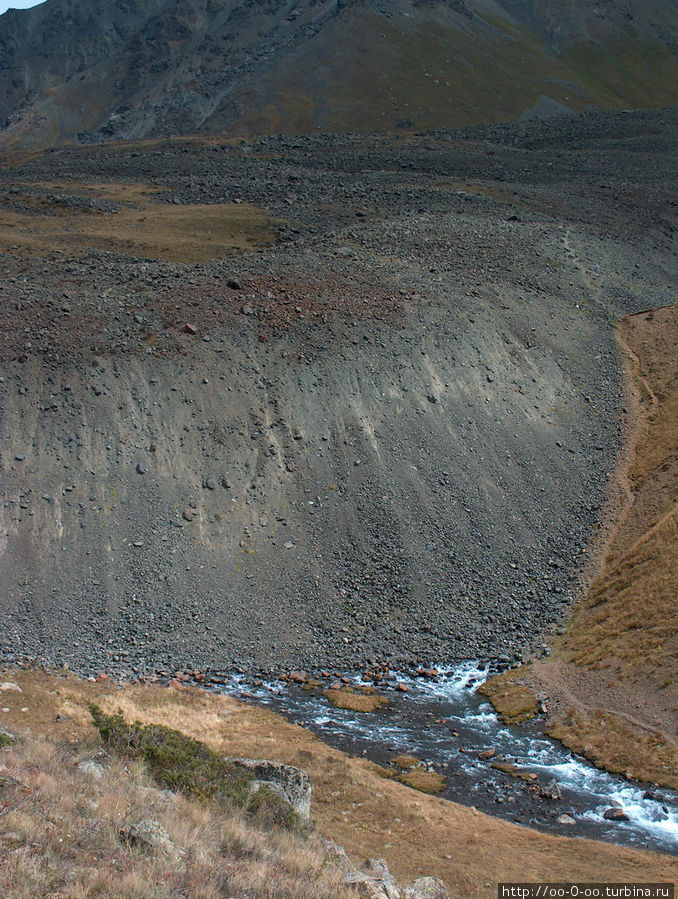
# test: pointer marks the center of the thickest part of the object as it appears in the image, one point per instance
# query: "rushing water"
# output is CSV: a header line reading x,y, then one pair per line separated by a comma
x,y
446,724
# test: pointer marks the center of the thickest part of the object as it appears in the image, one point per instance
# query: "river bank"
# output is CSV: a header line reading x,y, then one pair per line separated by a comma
x,y
611,680
353,803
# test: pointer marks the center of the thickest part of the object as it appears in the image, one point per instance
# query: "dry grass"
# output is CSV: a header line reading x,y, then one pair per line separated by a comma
x,y
356,700
423,780
139,225
513,701
61,836
613,675
611,743
412,772
353,803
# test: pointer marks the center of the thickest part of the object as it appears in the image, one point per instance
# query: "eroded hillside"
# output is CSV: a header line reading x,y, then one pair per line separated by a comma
x,y
387,436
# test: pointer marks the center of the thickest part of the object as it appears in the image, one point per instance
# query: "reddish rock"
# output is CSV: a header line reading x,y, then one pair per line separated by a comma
x,y
190,329
615,814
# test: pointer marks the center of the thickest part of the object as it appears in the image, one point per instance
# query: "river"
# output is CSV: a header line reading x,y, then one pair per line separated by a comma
x,y
446,724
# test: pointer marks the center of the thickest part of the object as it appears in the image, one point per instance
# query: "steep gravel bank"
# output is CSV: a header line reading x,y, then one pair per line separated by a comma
x,y
387,439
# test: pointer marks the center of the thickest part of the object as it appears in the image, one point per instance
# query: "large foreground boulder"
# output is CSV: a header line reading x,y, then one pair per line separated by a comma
x,y
292,784
376,882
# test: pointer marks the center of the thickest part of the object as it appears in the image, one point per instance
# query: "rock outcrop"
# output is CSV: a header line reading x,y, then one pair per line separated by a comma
x,y
376,882
291,784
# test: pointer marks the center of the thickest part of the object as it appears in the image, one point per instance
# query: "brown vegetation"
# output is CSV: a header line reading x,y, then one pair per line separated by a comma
x,y
63,831
135,223
514,701
423,780
612,678
353,804
357,700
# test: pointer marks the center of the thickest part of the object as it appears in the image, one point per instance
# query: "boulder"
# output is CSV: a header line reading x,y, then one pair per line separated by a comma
x,y
92,769
615,814
426,888
151,836
290,783
375,882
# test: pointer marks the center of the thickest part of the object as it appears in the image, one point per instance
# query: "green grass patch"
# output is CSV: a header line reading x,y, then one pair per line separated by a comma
x,y
175,761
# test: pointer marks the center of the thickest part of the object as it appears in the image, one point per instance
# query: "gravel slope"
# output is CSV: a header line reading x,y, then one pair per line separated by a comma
x,y
391,442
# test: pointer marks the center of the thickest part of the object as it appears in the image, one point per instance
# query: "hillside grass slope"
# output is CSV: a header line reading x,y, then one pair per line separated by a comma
x,y
95,70
612,677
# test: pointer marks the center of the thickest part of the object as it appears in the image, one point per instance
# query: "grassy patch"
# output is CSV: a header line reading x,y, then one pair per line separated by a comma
x,y
413,773
61,835
423,780
356,699
514,702
175,761
185,765
134,223
405,762
613,673
611,744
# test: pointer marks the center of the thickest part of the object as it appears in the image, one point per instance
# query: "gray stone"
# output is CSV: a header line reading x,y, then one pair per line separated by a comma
x,y
290,783
336,853
150,836
371,887
426,888
375,882
93,769
9,686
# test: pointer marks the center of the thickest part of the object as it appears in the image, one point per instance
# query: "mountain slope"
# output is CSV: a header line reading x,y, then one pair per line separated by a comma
x,y
130,69
391,443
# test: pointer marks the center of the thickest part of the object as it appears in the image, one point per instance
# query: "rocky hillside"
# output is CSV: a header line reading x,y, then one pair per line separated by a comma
x,y
128,69
384,436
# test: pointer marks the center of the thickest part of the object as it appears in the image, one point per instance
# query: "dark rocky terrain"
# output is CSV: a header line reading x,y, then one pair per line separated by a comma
x,y
385,437
97,69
